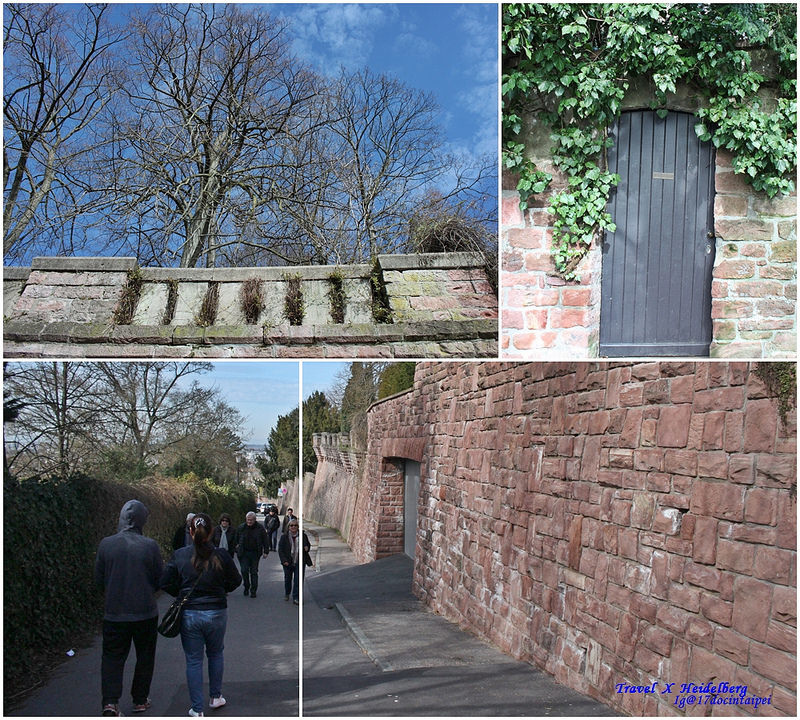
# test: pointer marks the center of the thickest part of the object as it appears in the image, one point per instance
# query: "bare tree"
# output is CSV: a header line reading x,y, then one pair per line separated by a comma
x,y
56,80
56,427
145,401
384,146
213,95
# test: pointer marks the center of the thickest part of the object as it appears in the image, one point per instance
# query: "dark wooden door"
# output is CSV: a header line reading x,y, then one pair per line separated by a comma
x,y
656,282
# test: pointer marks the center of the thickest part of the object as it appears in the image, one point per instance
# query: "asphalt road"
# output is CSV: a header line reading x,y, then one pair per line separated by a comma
x,y
370,648
261,664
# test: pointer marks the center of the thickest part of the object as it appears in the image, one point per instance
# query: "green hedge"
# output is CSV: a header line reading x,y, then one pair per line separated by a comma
x,y
51,532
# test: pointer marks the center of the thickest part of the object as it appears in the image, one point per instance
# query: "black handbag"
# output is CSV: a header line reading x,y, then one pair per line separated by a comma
x,y
170,625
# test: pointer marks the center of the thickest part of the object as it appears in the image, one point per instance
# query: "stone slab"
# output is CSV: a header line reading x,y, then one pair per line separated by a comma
x,y
430,261
84,264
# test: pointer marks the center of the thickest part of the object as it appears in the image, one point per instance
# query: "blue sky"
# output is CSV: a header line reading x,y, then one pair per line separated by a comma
x,y
447,49
320,376
260,390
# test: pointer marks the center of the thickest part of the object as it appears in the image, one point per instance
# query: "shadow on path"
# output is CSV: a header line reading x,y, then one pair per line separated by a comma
x,y
371,648
261,664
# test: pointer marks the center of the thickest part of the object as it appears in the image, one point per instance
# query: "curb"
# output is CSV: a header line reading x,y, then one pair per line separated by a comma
x,y
361,639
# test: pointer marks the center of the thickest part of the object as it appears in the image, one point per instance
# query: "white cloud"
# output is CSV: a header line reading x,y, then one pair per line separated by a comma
x,y
331,35
411,44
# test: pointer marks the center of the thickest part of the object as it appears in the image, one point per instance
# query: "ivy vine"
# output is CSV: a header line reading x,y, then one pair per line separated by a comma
x,y
572,64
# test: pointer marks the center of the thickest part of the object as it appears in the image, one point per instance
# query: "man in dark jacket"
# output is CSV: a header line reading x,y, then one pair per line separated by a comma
x,y
287,519
128,567
273,525
251,544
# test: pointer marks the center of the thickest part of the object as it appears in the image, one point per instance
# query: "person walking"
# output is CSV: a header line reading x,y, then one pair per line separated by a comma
x,y
289,554
224,535
251,544
182,538
287,519
272,525
206,574
128,568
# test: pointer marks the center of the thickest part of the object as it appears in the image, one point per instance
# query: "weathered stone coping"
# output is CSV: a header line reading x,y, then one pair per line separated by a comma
x,y
436,305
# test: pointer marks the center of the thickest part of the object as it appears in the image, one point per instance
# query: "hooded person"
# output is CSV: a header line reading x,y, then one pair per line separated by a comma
x,y
128,568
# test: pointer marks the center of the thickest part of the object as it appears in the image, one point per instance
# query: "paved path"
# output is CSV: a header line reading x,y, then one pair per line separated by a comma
x,y
261,664
371,648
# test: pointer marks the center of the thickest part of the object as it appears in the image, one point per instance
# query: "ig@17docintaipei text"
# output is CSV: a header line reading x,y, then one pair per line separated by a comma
x,y
687,694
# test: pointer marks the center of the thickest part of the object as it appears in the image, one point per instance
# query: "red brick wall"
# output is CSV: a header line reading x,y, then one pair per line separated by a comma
x,y
606,522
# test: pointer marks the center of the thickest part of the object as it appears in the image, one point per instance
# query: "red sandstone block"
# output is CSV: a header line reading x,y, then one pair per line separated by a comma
x,y
750,600
647,660
536,319
703,576
741,469
760,425
673,619
530,238
719,289
774,664
720,500
629,437
580,296
716,609
680,462
731,645
776,471
782,637
631,395
706,666
658,640
734,424
774,564
513,319
758,534
726,398
538,260
736,556
700,633
673,426
714,431
785,702
713,465
761,505
730,205
685,597
511,214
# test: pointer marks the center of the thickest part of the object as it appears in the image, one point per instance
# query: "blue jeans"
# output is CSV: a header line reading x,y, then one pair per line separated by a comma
x,y
203,629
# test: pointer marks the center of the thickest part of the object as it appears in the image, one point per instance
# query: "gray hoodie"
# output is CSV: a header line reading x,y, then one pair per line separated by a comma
x,y
128,568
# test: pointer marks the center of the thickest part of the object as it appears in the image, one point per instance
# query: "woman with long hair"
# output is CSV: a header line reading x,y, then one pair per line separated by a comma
x,y
206,574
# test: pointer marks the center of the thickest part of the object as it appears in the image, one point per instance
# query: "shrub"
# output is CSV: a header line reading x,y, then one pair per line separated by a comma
x,y
52,529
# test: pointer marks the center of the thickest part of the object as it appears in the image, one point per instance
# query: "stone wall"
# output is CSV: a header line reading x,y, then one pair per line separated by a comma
x,y
755,273
754,291
606,522
435,305
330,495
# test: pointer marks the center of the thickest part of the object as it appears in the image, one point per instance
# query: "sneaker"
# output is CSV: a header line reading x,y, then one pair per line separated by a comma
x,y
141,707
252,594
246,593
193,713
296,602
217,702
111,710
286,598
